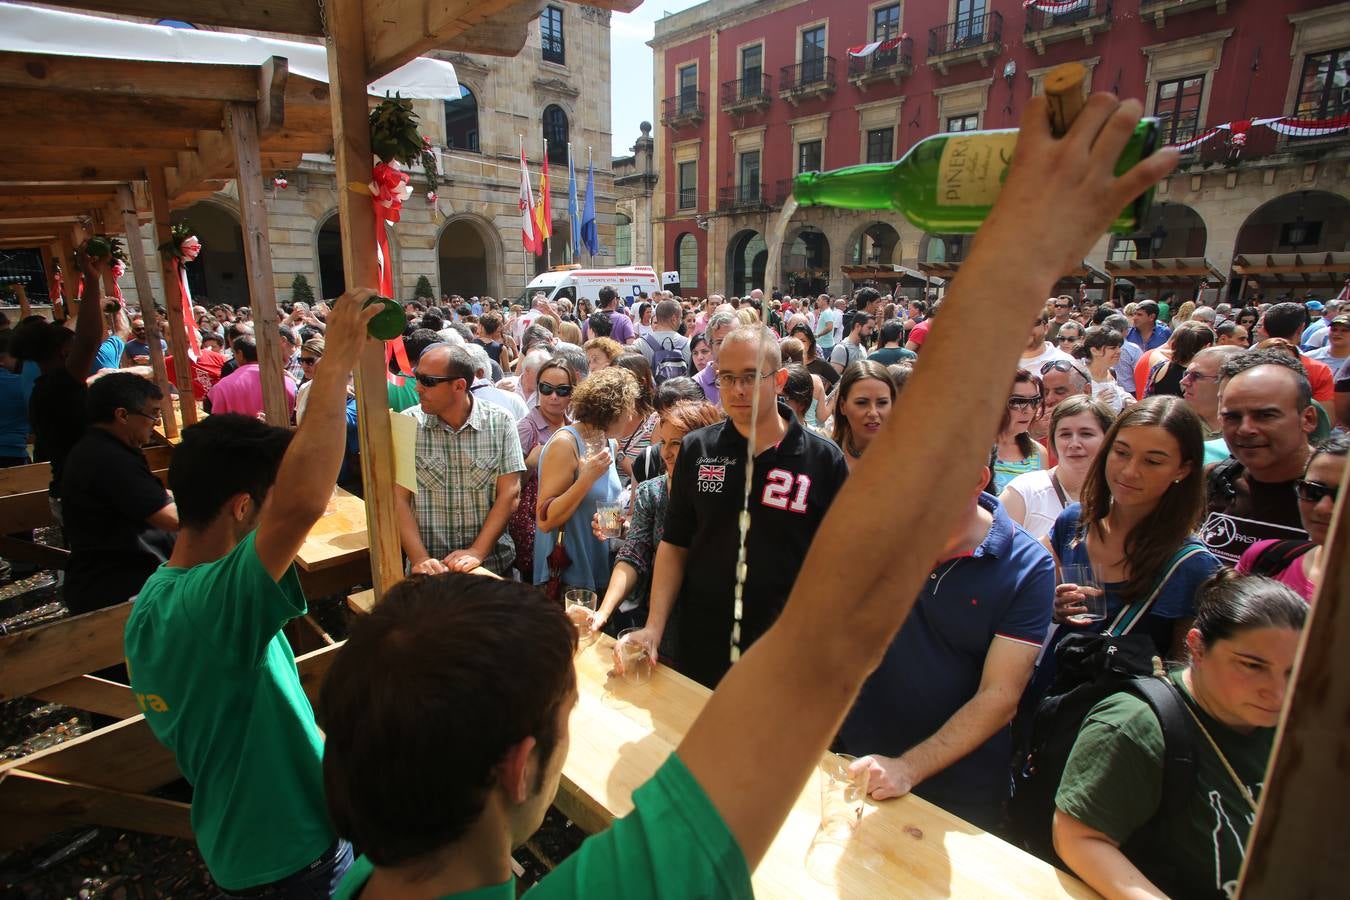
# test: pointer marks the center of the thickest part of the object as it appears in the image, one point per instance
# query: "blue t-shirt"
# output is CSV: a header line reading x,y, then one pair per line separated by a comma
x,y
142,348
1005,589
13,414
1175,601
109,355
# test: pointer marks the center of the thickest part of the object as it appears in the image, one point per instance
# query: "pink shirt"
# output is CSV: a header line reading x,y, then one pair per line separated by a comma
x,y
1292,575
241,392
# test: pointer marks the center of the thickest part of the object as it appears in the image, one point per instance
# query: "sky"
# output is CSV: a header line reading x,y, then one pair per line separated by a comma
x,y
631,77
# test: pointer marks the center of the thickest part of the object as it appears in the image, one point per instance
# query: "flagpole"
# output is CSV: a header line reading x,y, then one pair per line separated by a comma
x,y
548,256
589,165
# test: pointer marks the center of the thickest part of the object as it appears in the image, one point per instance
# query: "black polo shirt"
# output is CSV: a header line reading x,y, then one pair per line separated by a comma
x,y
794,484
108,492
56,414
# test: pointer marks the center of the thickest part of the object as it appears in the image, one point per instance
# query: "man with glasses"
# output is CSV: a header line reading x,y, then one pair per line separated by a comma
x,y
1200,388
119,521
1038,350
1063,306
797,474
468,463
1060,379
719,326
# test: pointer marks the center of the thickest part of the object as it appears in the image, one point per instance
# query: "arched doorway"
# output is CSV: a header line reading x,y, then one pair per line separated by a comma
x,y
219,274
686,260
1301,222
332,275
1169,231
465,258
806,262
875,246
623,239
747,257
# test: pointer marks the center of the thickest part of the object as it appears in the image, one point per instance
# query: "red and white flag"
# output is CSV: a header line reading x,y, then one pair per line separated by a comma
x,y
527,233
1291,127
883,46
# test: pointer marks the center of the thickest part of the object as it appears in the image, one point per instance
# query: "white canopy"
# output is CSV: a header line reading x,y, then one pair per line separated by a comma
x,y
36,30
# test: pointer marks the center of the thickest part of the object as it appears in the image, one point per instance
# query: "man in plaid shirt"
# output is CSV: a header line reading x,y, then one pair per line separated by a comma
x,y
468,472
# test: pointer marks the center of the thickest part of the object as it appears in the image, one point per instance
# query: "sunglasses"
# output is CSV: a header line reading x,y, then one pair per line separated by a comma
x,y
1314,491
548,390
1024,402
430,381
1063,365
308,360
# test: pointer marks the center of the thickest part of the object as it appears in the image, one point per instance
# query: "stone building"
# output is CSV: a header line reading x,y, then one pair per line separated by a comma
x,y
468,241
635,179
753,93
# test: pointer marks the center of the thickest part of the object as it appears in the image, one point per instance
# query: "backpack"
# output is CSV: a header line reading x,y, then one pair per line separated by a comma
x,y
1278,556
1091,668
667,361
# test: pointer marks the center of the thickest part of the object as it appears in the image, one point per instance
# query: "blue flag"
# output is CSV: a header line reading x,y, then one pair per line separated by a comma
x,y
573,215
590,235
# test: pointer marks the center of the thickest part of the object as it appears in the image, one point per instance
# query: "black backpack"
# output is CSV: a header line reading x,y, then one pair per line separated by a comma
x,y
667,361
1278,556
1090,668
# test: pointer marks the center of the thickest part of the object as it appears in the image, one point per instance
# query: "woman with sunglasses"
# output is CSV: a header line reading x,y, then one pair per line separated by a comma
x,y
1016,452
553,388
311,351
1301,564
625,599
1188,340
1070,334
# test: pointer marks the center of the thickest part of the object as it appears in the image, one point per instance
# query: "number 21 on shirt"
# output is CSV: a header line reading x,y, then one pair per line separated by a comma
x,y
786,490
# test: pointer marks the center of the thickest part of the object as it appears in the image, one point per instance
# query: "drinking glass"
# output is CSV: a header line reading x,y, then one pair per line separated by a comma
x,y
611,519
1094,597
635,658
842,795
580,604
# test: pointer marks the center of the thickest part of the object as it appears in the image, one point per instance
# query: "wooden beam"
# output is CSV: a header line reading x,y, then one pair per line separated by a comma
x,y
24,795
21,155
127,78
173,298
105,171
37,106
351,134
35,658
93,694
271,109
1301,827
397,31
242,124
53,190
140,270
280,16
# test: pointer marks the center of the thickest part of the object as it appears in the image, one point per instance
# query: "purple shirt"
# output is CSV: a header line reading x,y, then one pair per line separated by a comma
x,y
241,392
707,379
621,332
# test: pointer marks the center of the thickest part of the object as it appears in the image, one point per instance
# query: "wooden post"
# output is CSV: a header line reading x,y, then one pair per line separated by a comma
x,y
140,270
346,43
1301,828
173,296
241,122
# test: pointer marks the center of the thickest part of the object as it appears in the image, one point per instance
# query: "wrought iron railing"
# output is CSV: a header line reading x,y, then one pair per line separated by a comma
x,y
741,197
746,89
684,106
817,72
1040,20
971,31
884,62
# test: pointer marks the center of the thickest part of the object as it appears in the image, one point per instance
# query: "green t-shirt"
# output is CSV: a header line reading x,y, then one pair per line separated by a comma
x,y
673,844
890,355
403,396
1113,783
217,682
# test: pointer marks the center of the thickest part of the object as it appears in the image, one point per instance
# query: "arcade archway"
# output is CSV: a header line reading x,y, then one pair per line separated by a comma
x,y
468,258
219,274
747,257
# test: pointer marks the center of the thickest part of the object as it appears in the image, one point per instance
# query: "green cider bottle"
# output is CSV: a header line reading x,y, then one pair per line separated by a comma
x,y
947,183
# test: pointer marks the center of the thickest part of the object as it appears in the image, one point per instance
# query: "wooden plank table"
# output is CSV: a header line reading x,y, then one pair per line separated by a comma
x,y
621,734
336,555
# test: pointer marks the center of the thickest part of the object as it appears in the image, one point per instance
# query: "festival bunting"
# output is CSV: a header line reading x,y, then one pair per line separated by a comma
x,y
876,46
1056,7
1285,125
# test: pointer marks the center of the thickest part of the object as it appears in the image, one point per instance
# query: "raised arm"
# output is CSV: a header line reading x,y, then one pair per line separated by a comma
x,y
310,467
765,728
89,327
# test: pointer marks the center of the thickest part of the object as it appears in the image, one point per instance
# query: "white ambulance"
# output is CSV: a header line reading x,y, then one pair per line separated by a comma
x,y
571,282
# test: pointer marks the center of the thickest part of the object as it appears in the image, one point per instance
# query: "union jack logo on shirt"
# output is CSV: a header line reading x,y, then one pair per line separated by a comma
x,y
712,473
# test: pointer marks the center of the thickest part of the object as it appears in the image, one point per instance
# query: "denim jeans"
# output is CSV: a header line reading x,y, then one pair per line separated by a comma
x,y
317,881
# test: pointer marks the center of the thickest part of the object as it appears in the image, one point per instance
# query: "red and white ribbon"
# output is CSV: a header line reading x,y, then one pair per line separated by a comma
x,y
1291,127
390,187
1200,138
1056,6
883,46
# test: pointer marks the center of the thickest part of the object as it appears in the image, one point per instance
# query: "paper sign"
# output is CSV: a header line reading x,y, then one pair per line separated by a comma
x,y
405,450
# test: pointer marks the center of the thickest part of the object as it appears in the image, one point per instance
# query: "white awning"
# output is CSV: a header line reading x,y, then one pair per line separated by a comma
x,y
35,30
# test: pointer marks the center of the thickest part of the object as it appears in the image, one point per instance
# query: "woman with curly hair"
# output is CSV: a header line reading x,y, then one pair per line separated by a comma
x,y
577,474
601,352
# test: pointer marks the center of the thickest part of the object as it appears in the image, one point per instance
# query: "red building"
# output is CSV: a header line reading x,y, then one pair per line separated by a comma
x,y
751,93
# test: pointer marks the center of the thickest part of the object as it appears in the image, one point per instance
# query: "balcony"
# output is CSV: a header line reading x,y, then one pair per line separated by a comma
x,y
1088,18
892,65
782,189
975,38
747,94
685,108
806,80
1159,10
742,198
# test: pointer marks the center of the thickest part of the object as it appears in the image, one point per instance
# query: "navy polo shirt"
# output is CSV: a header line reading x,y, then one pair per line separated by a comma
x,y
794,484
1005,589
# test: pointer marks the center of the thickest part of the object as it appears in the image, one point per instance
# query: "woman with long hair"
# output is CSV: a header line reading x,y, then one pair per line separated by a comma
x,y
1100,351
1247,317
1188,340
636,435
624,604
814,364
862,405
1113,823
555,382
1016,452
1135,523
700,351
817,410
577,474
1034,500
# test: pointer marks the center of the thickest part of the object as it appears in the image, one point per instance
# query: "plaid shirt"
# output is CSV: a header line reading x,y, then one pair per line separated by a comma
x,y
457,472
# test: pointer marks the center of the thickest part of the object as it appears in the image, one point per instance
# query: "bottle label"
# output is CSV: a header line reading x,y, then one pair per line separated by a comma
x,y
973,168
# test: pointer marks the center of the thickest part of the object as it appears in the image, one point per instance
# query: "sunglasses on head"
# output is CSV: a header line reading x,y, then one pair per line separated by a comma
x,y
548,390
1062,365
1315,491
430,381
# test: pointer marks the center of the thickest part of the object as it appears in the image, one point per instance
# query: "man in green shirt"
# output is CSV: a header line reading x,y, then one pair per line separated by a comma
x,y
404,396
209,665
446,713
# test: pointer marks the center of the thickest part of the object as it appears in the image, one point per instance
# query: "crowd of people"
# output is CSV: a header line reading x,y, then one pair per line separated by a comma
x,y
1186,456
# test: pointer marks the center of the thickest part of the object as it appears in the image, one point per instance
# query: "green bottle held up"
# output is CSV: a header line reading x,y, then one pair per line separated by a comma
x,y
947,183
388,322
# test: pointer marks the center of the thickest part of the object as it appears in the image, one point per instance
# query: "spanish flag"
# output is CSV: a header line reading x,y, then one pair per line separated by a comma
x,y
543,210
